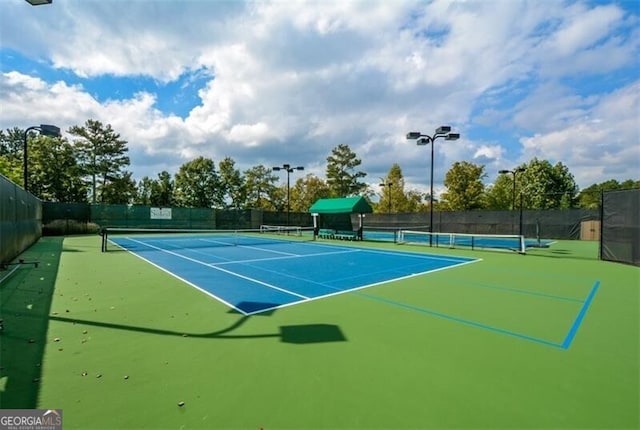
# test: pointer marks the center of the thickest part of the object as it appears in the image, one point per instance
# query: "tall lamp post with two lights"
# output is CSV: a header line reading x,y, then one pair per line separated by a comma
x,y
288,169
514,172
443,131
45,130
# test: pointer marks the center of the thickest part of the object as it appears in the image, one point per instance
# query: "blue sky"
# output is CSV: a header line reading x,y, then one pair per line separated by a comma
x,y
286,82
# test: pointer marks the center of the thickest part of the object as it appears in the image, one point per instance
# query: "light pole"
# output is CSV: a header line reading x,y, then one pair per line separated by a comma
x,y
515,172
288,169
425,139
45,130
388,185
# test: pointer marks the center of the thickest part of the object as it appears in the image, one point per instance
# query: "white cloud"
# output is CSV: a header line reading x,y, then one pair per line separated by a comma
x,y
289,81
583,28
604,143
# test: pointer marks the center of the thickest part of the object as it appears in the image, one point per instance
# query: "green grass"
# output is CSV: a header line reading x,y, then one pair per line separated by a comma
x,y
389,356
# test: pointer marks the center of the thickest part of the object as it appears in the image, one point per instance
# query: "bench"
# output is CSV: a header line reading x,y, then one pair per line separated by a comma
x,y
346,235
326,233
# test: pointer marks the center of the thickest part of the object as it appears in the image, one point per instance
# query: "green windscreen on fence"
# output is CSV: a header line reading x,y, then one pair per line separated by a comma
x,y
20,220
152,217
620,235
546,224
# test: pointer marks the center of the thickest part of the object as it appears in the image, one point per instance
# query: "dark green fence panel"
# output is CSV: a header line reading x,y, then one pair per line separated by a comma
x,y
233,219
546,224
134,216
620,230
20,220
56,211
194,217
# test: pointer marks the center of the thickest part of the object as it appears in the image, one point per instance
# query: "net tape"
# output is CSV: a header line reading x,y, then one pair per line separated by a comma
x,y
174,239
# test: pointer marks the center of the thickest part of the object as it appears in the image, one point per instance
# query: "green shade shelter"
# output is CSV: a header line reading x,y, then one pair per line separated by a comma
x,y
337,215
341,205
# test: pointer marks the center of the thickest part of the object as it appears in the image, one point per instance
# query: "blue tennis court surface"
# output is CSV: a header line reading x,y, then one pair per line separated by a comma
x,y
255,277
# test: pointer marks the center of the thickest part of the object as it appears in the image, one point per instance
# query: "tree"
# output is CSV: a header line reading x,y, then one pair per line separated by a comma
x,y
11,169
306,191
260,188
162,190
101,154
465,190
119,190
499,196
547,187
198,185
155,192
418,202
342,180
231,183
143,191
401,200
589,198
11,143
54,174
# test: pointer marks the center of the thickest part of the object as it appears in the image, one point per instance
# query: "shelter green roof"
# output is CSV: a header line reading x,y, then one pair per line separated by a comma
x,y
341,205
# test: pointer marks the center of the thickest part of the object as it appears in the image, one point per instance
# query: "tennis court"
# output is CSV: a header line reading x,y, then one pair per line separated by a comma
x,y
178,332
253,272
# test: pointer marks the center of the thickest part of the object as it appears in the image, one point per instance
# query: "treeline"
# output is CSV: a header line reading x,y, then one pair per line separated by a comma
x,y
93,167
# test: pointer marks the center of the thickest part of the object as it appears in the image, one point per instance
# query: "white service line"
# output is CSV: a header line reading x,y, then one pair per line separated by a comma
x,y
249,247
253,260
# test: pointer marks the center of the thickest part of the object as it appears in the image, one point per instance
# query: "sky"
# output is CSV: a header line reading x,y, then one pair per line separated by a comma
x,y
286,81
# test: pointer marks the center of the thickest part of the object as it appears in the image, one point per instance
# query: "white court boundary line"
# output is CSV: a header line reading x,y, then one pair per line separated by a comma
x,y
457,262
247,278
362,287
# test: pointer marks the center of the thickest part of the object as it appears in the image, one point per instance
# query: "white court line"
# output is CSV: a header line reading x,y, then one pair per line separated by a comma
x,y
221,269
249,247
182,279
356,289
254,260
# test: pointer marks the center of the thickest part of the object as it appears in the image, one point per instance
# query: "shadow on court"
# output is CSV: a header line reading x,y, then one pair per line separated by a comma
x,y
572,250
296,334
25,303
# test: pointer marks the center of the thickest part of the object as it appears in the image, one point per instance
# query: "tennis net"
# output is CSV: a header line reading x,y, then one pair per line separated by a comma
x,y
512,242
136,239
284,229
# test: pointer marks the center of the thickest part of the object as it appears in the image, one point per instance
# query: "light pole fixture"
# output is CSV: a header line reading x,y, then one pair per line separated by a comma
x,y
288,169
443,131
38,2
45,130
388,185
514,172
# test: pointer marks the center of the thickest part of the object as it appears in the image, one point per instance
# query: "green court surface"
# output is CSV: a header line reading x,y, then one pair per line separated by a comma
x,y
549,339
